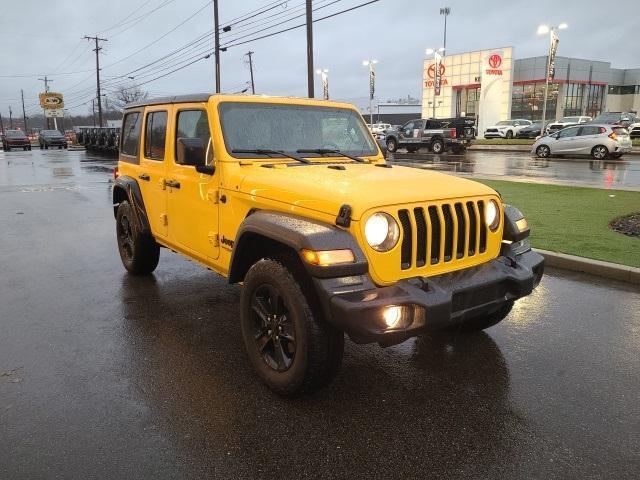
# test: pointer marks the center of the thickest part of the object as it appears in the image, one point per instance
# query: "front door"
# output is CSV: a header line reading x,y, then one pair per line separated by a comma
x,y
193,196
410,132
152,171
567,140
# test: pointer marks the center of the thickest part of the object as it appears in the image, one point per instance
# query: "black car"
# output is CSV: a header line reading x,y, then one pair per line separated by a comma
x,y
532,131
15,139
624,119
51,138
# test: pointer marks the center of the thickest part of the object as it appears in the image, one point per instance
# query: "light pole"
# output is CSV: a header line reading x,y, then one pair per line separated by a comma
x,y
553,46
372,85
324,78
437,56
445,11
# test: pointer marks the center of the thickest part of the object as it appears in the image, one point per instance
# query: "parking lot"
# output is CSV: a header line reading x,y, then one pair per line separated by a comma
x,y
104,375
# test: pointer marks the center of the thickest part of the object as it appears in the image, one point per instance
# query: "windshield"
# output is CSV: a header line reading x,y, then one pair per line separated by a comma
x,y
50,132
15,134
607,117
570,119
290,128
505,122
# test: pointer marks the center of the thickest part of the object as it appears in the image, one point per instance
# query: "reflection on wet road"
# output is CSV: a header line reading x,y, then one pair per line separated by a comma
x,y
623,173
105,375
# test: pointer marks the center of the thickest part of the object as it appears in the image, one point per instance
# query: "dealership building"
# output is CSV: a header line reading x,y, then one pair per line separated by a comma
x,y
491,85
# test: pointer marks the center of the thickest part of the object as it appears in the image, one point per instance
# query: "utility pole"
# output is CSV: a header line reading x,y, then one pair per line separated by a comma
x,y
1,124
253,86
93,105
10,118
445,11
24,113
46,89
216,28
97,50
310,49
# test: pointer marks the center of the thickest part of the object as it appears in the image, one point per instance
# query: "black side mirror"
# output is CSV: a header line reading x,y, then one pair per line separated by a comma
x,y
206,169
191,151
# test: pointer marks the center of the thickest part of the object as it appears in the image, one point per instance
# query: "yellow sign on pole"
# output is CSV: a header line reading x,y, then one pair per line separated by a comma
x,y
51,100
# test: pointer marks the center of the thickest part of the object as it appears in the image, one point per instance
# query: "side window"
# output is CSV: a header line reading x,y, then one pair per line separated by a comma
x,y
131,133
568,132
155,135
193,124
590,130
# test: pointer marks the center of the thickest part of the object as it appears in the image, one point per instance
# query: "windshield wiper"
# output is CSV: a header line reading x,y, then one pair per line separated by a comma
x,y
328,151
266,151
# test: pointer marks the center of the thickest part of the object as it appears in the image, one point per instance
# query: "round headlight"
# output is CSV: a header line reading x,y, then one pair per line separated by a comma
x,y
492,215
382,232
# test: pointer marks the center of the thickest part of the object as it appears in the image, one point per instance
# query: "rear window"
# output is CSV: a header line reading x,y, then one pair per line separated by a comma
x,y
131,133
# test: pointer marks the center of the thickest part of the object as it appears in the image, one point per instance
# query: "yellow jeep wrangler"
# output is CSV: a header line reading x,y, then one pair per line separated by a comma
x,y
292,198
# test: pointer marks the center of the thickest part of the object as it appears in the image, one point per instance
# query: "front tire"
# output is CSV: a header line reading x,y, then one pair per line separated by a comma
x,y
437,146
392,145
289,345
139,252
600,152
488,320
509,135
543,151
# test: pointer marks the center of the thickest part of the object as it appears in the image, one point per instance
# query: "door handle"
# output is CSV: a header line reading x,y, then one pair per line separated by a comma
x,y
172,184
144,176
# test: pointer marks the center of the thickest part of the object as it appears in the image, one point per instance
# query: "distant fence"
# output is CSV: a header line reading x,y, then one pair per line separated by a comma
x,y
99,139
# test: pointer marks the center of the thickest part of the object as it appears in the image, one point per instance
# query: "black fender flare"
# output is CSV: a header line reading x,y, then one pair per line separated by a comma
x,y
296,233
127,187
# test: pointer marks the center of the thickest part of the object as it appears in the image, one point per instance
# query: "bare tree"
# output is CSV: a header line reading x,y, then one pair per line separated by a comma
x,y
127,94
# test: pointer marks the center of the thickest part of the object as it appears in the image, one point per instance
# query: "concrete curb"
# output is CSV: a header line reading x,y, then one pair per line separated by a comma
x,y
599,268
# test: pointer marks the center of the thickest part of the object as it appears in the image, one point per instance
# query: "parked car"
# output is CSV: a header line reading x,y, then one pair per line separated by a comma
x,y
15,139
506,128
598,140
565,122
334,245
532,131
51,138
634,129
623,119
380,127
438,135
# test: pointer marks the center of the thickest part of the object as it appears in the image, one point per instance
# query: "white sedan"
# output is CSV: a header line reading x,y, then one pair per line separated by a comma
x,y
506,128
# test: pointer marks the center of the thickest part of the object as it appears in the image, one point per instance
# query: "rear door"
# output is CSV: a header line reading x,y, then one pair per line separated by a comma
x,y
587,139
568,140
192,196
153,167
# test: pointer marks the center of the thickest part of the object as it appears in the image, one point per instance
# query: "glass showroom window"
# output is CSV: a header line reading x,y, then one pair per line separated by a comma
x,y
573,99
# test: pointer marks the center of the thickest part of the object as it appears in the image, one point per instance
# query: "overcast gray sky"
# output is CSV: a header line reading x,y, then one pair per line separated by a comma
x,y
38,41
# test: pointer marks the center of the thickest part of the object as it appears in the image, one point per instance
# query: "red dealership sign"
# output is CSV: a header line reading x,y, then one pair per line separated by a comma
x,y
494,61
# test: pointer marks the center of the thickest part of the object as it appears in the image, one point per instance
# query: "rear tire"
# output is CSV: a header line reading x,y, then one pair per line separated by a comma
x,y
488,320
392,145
139,252
289,345
600,152
437,146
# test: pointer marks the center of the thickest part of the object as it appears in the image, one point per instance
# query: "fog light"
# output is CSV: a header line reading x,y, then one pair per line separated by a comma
x,y
392,315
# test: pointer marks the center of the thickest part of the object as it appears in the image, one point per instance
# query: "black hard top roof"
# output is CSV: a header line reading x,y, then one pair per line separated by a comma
x,y
192,97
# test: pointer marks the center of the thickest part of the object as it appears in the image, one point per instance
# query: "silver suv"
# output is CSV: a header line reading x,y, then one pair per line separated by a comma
x,y
598,140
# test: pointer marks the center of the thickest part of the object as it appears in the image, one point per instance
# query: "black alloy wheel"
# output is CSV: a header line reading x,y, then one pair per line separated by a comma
x,y
273,330
125,238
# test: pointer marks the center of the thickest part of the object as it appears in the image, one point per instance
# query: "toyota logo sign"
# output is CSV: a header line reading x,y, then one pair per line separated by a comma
x,y
431,71
495,60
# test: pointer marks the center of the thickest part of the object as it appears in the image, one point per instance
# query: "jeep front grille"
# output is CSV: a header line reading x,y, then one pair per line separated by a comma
x,y
436,234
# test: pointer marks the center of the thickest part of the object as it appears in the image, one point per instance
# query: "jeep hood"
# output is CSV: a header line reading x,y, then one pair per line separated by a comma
x,y
362,186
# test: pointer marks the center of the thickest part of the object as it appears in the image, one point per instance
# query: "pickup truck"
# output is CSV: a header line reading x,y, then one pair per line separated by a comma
x,y
438,135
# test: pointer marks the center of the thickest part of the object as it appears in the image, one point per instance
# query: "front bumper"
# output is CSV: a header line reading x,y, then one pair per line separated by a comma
x,y
355,305
495,134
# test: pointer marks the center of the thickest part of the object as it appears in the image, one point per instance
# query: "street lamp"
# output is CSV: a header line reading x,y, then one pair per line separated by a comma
x,y
372,85
437,56
445,11
324,78
553,45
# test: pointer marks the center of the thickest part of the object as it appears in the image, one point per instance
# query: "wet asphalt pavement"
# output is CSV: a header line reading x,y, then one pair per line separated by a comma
x,y
104,375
